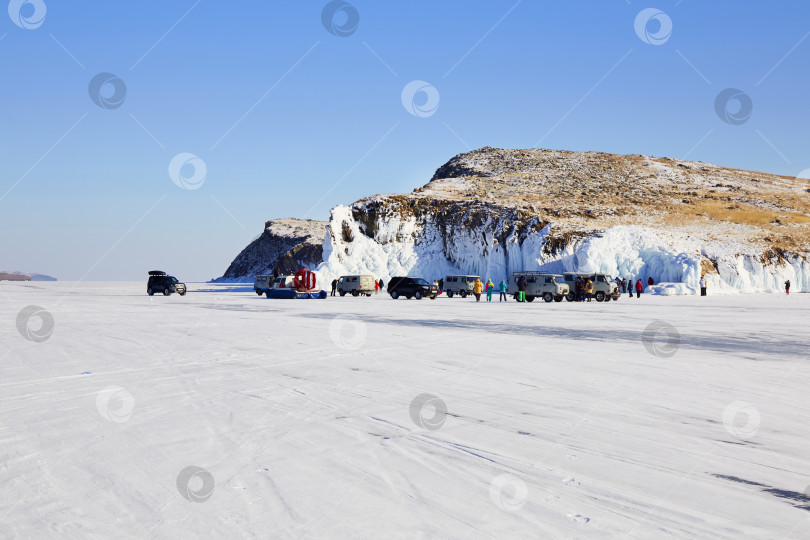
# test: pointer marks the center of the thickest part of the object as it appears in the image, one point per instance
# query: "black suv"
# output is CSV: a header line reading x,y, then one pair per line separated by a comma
x,y
411,287
160,282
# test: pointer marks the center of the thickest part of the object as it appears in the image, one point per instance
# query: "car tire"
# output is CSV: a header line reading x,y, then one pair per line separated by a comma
x,y
433,297
570,297
600,296
449,294
463,294
607,298
355,293
408,296
530,298
394,295
182,293
150,292
342,293
548,297
558,298
166,292
258,292
417,295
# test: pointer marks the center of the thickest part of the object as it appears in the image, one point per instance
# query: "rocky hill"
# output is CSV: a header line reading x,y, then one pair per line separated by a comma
x,y
285,246
494,211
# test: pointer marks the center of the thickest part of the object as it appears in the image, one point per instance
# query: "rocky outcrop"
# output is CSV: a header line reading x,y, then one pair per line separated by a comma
x,y
494,211
285,245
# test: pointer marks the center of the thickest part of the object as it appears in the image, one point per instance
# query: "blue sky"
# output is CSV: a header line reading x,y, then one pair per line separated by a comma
x,y
290,119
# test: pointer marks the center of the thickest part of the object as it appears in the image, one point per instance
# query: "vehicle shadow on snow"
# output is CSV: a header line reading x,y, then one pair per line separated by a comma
x,y
786,494
745,344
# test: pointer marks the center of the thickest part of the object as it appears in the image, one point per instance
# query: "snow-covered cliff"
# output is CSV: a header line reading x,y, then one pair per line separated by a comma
x,y
492,212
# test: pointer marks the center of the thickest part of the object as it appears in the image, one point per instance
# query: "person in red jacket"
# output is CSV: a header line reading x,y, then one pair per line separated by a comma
x,y
639,288
650,281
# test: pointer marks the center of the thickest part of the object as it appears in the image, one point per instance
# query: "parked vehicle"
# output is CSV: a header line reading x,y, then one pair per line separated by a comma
x,y
356,285
411,287
160,282
460,285
263,283
539,285
604,286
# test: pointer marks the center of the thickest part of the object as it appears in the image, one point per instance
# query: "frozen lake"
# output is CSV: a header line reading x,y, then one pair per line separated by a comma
x,y
225,414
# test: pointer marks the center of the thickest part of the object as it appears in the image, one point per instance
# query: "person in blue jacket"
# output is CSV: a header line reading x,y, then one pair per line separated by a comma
x,y
502,289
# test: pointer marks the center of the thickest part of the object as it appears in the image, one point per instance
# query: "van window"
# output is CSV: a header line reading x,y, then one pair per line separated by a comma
x,y
559,279
353,279
569,277
600,278
549,280
532,280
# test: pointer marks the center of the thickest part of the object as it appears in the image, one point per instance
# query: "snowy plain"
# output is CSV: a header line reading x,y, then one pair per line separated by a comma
x,y
223,414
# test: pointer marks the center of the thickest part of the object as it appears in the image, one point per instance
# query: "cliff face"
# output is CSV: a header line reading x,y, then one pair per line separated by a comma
x,y
492,212
285,245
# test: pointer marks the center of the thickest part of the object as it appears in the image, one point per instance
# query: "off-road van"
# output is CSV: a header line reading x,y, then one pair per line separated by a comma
x,y
604,287
161,283
356,285
263,283
539,285
460,285
411,287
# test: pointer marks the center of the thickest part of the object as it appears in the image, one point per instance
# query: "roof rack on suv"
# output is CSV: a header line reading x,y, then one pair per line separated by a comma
x,y
157,273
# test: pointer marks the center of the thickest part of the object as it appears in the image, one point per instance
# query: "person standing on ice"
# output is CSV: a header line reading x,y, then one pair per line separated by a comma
x,y
489,287
650,281
787,287
376,287
334,287
477,288
623,285
502,288
702,285
639,288
381,284
630,287
521,283
589,289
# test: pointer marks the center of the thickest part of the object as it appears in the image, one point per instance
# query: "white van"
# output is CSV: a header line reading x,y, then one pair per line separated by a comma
x,y
460,285
540,285
356,285
263,283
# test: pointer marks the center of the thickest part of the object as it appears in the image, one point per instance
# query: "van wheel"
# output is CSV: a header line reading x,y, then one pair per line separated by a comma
x,y
607,298
408,296
394,295
355,293
600,296
463,294
569,297
433,298
449,294
166,292
342,293
417,295
149,291
182,293
558,298
530,298
548,297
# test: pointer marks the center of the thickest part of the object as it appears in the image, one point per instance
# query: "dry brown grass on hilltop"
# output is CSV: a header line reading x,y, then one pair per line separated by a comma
x,y
587,190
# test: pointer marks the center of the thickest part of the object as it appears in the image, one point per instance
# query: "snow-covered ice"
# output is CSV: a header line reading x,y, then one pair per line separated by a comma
x,y
224,414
